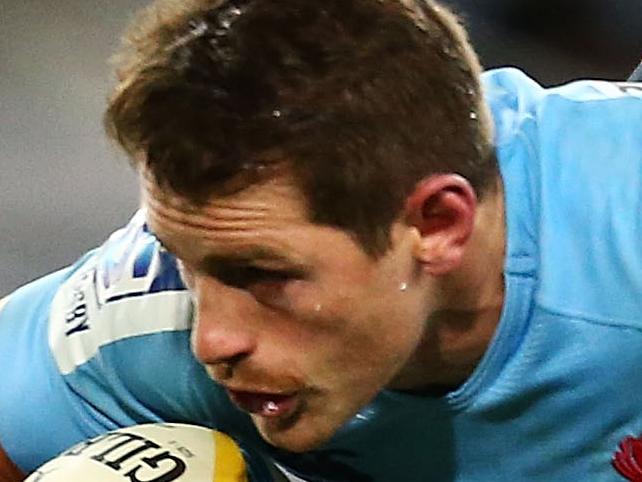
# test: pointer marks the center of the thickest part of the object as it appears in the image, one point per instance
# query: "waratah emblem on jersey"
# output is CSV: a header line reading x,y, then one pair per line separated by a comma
x,y
628,459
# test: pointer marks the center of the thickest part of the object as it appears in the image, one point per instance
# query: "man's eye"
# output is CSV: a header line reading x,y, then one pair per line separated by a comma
x,y
247,276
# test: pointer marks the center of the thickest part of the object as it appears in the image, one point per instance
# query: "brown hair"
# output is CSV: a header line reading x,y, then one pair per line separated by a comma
x,y
362,98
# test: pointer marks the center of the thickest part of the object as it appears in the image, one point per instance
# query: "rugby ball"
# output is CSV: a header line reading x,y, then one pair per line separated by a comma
x,y
149,453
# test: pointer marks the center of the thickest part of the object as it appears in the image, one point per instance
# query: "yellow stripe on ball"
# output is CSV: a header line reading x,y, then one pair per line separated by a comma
x,y
229,465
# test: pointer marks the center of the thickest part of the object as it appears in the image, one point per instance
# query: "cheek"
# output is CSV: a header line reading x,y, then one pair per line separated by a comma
x,y
370,336
364,310
365,328
388,326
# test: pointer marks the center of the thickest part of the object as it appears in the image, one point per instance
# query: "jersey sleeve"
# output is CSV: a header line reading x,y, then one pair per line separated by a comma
x,y
97,346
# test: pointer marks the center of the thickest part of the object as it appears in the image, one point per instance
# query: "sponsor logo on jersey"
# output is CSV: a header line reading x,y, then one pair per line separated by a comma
x,y
628,459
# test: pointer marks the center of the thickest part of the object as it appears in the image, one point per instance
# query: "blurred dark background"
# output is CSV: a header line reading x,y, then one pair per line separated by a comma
x,y
557,40
63,188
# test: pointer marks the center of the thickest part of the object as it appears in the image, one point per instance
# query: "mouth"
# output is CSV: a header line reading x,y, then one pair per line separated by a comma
x,y
267,405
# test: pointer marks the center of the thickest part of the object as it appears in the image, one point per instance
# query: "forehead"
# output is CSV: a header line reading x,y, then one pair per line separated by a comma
x,y
273,205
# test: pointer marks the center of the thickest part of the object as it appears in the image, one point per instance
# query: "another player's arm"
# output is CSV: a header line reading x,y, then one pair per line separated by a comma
x,y
8,471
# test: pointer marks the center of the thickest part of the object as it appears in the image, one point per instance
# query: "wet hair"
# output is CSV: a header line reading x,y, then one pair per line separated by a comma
x,y
360,98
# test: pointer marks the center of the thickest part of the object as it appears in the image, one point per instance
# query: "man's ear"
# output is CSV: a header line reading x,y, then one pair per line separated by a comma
x,y
442,209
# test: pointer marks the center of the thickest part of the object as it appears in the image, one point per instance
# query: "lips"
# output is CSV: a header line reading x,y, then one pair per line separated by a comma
x,y
269,405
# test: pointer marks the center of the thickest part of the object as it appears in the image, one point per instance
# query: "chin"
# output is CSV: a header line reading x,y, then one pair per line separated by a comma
x,y
296,437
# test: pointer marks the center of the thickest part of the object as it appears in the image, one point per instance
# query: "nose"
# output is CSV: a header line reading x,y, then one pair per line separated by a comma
x,y
222,334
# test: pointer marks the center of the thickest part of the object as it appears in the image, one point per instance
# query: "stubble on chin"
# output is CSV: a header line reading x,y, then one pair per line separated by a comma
x,y
303,432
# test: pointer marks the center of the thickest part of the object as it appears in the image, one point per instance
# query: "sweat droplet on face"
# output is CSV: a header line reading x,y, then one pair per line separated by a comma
x,y
403,286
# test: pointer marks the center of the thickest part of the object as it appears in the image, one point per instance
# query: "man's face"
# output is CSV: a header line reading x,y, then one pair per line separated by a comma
x,y
298,324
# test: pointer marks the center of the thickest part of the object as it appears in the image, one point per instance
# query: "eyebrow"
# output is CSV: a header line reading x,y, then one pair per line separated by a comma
x,y
255,253
252,256
248,256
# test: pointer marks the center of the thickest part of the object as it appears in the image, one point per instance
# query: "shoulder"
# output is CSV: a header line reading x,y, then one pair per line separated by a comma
x,y
516,100
128,287
125,290
581,144
102,343
515,86
571,156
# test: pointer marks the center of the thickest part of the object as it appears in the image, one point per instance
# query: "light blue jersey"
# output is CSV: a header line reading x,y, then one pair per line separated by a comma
x,y
105,343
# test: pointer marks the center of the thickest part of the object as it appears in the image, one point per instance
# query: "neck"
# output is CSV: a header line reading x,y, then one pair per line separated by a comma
x,y
458,334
